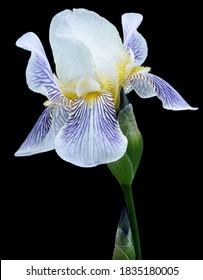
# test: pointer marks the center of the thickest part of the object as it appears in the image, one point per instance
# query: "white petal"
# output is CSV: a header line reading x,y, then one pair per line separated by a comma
x,y
73,60
38,73
98,34
130,22
93,30
132,38
147,85
41,138
92,135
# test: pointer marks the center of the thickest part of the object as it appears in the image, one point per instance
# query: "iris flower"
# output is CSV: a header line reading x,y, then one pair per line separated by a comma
x,y
92,66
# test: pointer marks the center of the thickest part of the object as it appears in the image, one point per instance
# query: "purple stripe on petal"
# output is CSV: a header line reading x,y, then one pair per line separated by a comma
x,y
148,85
92,135
133,39
170,98
141,84
41,138
38,73
138,44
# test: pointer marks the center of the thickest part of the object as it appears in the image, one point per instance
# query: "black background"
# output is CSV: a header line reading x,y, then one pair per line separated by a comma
x,y
54,210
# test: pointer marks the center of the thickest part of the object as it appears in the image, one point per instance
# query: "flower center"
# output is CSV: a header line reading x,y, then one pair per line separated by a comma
x,y
85,87
88,88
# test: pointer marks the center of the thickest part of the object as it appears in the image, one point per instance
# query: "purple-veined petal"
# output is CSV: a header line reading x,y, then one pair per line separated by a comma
x,y
140,84
41,138
132,38
92,135
39,75
147,85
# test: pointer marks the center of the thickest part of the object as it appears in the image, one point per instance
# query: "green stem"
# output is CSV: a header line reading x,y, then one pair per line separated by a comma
x,y
127,189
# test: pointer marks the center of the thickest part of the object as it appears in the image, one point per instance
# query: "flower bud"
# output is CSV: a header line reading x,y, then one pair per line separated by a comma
x,y
124,249
125,168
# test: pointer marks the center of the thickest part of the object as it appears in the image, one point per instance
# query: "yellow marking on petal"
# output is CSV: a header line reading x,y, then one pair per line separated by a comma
x,y
93,95
69,90
107,85
47,102
69,94
138,69
124,68
134,71
115,88
121,70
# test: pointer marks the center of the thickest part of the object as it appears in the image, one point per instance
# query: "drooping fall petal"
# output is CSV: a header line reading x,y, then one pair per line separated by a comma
x,y
92,135
148,85
41,138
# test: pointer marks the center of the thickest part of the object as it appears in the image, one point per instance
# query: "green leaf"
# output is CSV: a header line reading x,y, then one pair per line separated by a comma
x,y
124,249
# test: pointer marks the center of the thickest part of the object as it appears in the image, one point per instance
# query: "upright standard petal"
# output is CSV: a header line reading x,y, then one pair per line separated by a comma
x,y
73,61
92,135
41,138
38,73
147,85
99,35
132,38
